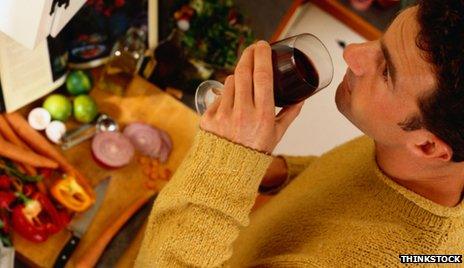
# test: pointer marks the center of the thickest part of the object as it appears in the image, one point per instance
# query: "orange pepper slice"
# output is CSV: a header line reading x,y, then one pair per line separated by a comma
x,y
71,194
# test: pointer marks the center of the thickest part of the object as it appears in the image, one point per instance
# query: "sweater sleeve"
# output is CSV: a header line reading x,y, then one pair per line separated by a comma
x,y
296,164
199,213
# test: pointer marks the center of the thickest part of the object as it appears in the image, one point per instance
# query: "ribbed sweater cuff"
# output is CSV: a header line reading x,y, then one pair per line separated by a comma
x,y
222,175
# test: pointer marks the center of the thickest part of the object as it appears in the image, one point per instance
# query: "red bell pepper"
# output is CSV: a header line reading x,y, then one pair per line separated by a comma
x,y
46,173
5,182
27,223
6,198
29,189
57,222
37,218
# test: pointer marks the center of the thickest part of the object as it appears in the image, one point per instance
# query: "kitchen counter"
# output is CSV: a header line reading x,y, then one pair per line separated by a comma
x,y
127,183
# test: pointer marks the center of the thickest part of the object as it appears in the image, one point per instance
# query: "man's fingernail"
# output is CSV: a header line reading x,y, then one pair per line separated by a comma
x,y
249,47
262,43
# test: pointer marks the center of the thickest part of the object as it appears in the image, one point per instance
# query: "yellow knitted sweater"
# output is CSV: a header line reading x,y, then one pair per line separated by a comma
x,y
339,211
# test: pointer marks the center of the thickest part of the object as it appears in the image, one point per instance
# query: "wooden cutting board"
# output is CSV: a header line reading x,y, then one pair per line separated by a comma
x,y
143,102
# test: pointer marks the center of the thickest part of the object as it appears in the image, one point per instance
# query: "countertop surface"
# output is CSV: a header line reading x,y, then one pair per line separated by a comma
x,y
127,183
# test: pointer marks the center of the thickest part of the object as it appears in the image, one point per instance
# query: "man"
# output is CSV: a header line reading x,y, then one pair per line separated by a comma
x,y
397,191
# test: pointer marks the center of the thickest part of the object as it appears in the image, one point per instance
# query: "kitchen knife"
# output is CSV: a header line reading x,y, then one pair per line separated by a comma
x,y
125,236
91,255
79,224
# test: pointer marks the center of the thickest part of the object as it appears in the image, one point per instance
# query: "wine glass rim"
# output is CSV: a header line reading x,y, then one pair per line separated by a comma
x,y
325,49
204,86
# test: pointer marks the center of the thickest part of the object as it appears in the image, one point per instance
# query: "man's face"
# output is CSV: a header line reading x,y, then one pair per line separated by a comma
x,y
384,80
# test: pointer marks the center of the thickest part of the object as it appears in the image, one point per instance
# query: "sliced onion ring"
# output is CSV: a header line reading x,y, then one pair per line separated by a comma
x,y
167,146
145,138
112,149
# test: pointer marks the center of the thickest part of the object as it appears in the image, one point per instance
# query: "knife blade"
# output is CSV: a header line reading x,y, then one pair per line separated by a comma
x,y
123,239
90,257
80,223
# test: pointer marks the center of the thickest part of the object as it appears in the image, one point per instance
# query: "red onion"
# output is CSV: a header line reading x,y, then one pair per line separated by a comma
x,y
112,149
166,148
145,139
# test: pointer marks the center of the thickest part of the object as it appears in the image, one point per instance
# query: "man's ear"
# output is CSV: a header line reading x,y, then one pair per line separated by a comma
x,y
431,147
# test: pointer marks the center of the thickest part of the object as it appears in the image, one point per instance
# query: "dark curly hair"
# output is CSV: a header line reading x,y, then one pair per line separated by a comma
x,y
441,36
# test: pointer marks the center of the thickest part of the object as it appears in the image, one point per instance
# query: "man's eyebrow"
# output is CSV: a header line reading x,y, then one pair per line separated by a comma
x,y
388,59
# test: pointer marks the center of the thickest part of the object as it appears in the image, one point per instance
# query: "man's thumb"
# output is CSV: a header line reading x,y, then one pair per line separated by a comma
x,y
286,116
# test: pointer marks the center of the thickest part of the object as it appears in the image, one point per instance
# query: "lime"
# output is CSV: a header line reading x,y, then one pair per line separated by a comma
x,y
85,109
78,82
58,106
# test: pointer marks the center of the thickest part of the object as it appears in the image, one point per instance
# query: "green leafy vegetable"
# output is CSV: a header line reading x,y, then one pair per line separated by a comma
x,y
6,241
10,169
4,238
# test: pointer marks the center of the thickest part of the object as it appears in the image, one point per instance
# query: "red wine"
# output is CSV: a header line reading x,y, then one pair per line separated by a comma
x,y
295,77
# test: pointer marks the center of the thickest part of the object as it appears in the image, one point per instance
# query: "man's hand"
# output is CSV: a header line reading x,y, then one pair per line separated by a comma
x,y
245,112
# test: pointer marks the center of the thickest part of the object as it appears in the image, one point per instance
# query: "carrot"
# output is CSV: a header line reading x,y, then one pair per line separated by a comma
x,y
42,188
93,253
9,135
16,153
19,166
30,170
38,143
150,185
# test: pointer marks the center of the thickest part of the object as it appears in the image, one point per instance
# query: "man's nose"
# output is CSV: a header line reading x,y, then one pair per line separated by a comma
x,y
359,57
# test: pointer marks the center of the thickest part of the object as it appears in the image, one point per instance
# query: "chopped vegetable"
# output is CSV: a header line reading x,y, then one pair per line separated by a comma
x,y
5,229
39,118
112,149
40,144
4,223
17,153
55,130
167,146
36,219
149,140
9,135
145,138
30,229
70,194
29,189
153,169
6,198
11,170
5,182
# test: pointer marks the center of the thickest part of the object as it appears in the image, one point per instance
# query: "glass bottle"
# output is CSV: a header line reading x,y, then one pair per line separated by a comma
x,y
125,61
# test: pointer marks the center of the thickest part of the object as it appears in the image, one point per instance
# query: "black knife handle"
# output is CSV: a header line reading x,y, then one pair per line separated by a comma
x,y
66,252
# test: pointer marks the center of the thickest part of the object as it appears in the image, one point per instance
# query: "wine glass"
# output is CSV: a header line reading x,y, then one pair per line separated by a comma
x,y
301,64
